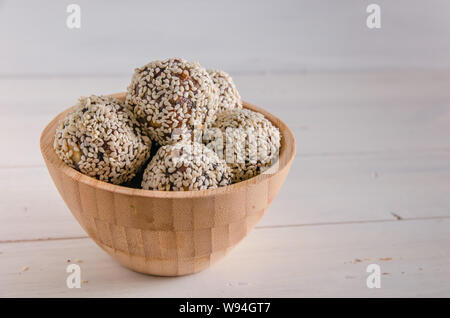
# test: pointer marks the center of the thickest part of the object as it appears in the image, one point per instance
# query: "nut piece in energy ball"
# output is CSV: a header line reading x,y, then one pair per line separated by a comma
x,y
228,94
102,139
185,166
171,98
250,142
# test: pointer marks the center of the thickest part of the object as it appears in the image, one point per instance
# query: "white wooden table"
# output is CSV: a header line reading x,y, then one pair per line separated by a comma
x,y
370,184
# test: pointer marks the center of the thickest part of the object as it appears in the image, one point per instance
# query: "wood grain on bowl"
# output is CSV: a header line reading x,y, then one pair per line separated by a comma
x,y
167,233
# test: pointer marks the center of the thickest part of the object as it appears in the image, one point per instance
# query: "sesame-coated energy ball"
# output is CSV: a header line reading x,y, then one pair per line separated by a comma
x,y
228,94
101,138
171,98
250,142
185,166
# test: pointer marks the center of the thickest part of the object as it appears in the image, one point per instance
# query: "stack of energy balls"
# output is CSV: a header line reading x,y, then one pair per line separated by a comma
x,y
181,128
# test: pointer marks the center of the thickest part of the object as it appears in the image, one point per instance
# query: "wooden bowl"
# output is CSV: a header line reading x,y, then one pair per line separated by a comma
x,y
163,232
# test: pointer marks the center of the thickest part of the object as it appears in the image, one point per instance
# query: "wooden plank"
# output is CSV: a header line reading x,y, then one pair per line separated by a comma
x,y
314,261
329,113
322,189
358,113
363,188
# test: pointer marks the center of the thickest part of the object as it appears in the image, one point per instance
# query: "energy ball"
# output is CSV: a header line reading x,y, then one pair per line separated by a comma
x,y
185,166
171,98
228,95
249,142
101,138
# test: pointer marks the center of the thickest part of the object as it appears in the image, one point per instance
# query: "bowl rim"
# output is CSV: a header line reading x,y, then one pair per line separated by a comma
x,y
50,157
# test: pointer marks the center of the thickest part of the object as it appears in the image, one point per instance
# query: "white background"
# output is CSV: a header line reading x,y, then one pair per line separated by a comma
x,y
240,36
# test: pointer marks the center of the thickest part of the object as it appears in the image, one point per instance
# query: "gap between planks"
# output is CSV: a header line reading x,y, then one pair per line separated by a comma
x,y
396,218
